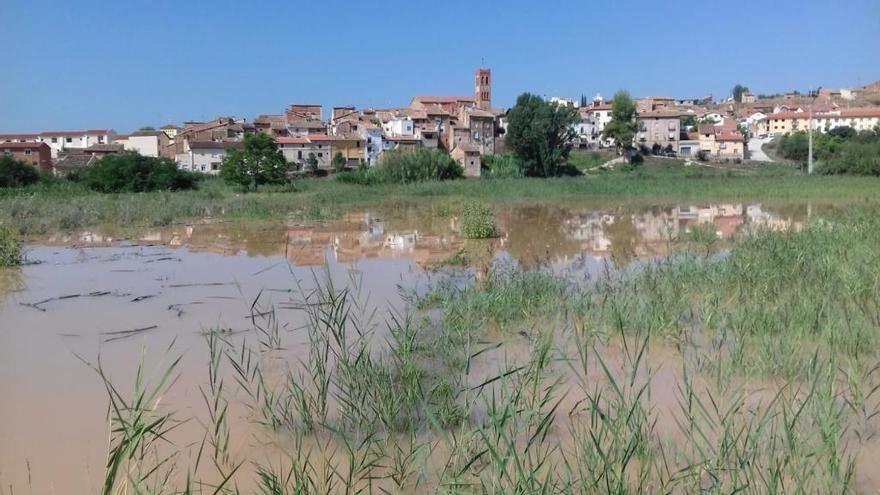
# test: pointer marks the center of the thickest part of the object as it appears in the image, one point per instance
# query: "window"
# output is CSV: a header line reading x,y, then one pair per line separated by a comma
x,y
68,140
54,139
369,140
320,155
27,151
100,139
299,155
215,166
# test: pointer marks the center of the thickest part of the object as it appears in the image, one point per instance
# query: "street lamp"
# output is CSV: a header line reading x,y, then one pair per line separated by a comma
x,y
810,141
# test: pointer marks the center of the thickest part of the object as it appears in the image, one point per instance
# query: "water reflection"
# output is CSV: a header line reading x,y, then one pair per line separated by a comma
x,y
532,235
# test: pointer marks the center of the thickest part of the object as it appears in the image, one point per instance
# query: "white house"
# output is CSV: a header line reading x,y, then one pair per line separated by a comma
x,y
147,143
64,140
399,126
205,156
373,147
563,101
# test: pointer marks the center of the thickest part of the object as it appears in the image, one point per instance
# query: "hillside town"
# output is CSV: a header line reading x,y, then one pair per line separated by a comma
x,y
468,127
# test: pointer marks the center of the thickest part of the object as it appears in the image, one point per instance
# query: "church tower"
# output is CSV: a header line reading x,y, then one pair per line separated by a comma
x,y
483,88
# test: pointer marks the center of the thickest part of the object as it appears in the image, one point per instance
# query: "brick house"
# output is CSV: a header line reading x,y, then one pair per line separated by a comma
x,y
37,154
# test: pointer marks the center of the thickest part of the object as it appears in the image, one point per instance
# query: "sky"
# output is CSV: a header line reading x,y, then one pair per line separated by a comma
x,y
123,64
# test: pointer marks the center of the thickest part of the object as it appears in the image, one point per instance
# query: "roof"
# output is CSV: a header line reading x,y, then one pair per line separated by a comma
x,y
706,128
307,124
320,137
105,148
442,99
292,140
19,136
169,126
147,133
214,144
477,112
861,112
726,135
22,146
660,114
98,132
402,138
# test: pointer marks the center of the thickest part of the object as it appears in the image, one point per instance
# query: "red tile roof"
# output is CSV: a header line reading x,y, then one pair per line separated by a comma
x,y
15,146
442,99
861,112
320,137
19,136
292,140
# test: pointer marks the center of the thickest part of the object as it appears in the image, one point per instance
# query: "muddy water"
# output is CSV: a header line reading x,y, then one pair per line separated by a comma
x,y
131,296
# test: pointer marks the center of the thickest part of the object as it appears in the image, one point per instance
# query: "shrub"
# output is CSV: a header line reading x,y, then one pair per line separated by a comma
x,y
338,162
502,167
10,246
477,221
418,166
854,158
131,172
637,159
363,175
15,173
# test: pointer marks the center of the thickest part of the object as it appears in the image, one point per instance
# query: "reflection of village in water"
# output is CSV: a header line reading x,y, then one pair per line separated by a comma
x,y
531,235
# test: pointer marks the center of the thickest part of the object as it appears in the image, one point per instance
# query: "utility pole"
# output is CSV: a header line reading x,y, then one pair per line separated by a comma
x,y
810,145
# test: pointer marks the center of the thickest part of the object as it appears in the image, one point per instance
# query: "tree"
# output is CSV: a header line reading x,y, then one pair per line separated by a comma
x,y
338,161
688,121
738,91
312,162
133,172
16,173
258,162
540,134
583,100
622,127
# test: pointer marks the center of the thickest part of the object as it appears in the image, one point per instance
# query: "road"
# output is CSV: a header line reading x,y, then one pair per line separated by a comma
x,y
755,151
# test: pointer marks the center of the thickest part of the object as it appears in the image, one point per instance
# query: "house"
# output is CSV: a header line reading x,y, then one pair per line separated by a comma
x,y
659,129
296,150
305,127
147,143
19,138
721,141
372,136
300,111
37,154
401,143
399,126
205,156
652,103
564,101
468,156
593,119
481,126
170,130
351,146
273,125
689,146
74,159
59,141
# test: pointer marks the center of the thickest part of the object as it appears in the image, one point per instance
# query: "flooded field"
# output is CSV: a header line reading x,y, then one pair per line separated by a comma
x,y
256,304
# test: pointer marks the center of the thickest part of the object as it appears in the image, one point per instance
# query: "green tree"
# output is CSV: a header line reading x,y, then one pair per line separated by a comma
x,y
622,127
16,173
583,100
257,162
540,134
738,92
312,162
688,121
338,161
132,172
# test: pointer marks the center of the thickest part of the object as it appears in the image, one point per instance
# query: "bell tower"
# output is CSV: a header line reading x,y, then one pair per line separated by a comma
x,y
483,88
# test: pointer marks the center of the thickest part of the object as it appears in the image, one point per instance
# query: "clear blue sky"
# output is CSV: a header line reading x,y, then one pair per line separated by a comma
x,y
124,64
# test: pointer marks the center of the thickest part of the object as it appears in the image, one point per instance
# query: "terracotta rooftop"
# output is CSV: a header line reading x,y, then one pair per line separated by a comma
x,y
15,146
18,136
292,140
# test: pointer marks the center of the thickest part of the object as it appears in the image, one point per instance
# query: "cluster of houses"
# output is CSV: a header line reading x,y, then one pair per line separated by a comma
x,y
467,127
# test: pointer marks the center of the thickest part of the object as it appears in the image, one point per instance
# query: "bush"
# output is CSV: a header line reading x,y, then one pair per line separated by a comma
x,y
418,166
131,172
364,176
637,159
502,167
477,221
15,173
10,246
854,158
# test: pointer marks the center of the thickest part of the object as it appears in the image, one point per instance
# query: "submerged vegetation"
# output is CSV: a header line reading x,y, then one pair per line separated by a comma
x,y
753,372
477,221
10,247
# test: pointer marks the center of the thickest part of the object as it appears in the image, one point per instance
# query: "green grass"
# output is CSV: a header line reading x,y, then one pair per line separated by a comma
x,y
10,247
48,208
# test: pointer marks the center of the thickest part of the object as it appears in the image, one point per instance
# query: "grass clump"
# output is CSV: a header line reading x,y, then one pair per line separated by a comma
x,y
10,246
404,167
477,221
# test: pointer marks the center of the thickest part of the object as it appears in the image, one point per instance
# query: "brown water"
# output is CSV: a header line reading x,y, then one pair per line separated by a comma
x,y
87,290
